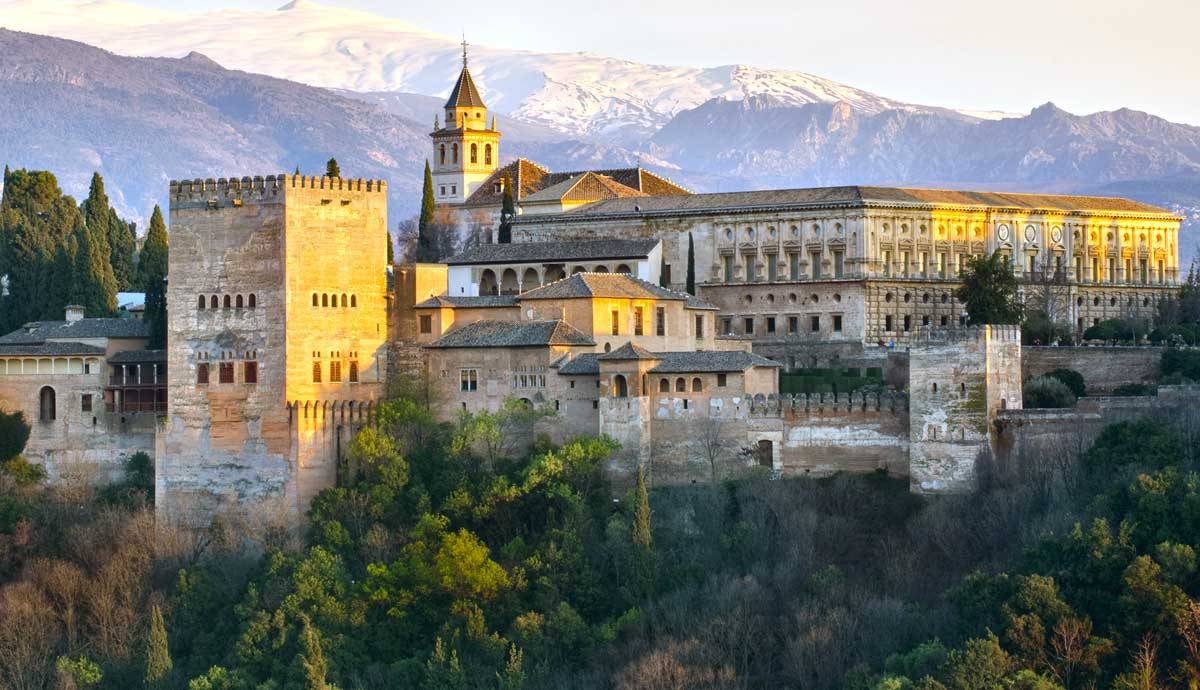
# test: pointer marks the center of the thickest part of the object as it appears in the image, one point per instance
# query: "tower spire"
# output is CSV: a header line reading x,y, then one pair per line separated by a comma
x,y
464,46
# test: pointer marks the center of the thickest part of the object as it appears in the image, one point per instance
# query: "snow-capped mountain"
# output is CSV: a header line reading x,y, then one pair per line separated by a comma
x,y
575,93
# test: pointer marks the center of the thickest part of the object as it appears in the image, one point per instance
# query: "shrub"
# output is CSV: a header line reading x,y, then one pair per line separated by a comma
x,y
1116,330
14,433
23,472
1135,389
1072,378
1183,362
1044,391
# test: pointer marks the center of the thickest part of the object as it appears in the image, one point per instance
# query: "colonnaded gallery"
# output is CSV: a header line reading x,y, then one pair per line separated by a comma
x,y
286,323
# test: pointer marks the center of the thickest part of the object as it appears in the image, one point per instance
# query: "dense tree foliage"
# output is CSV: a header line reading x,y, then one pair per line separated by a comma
x,y
691,266
989,290
426,243
508,211
332,169
152,277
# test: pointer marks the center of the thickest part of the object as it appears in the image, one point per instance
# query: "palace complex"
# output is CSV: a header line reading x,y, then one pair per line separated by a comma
x,y
285,322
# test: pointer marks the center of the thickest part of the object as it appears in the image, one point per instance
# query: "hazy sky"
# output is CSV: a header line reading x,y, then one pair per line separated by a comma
x,y
1003,55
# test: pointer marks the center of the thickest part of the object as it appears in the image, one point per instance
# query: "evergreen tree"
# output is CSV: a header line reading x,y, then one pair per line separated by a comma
x,y
507,211
332,169
426,248
391,250
311,659
93,286
641,512
691,266
662,273
158,655
152,274
37,223
989,290
297,173
122,241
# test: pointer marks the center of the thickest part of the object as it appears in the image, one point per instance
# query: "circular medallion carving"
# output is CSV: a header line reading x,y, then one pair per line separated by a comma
x,y
1002,233
1056,234
1030,233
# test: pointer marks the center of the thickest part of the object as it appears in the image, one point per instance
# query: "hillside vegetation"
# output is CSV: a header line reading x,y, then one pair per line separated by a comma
x,y
447,559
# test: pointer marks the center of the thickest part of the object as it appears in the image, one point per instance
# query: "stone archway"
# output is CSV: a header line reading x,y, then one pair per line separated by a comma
x,y
530,280
487,283
554,273
620,386
623,268
764,453
508,282
600,269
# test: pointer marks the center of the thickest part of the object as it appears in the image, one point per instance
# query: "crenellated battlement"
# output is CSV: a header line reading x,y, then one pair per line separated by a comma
x,y
786,405
269,185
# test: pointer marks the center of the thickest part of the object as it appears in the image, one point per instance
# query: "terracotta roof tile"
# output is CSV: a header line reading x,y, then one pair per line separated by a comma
x,y
513,334
532,252
464,94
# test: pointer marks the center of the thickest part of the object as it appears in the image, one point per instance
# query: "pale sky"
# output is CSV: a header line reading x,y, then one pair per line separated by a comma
x,y
1009,55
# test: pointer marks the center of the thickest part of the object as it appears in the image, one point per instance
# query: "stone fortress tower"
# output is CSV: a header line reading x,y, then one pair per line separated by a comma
x,y
276,340
467,149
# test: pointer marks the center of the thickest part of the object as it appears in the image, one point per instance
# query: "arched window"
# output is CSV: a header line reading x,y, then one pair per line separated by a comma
x,y
935,388
253,301
227,302
316,300
345,302
354,301
442,153
487,154
474,153
664,385
239,302
453,153
47,409
201,301
680,385
212,302
324,300
620,387
697,386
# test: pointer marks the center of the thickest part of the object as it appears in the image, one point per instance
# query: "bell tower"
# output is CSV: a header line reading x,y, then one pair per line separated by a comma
x,y
467,149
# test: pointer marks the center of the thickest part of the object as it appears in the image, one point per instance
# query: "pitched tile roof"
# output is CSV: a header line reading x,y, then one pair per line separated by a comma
x,y
854,196
532,252
586,187
50,349
465,302
513,334
709,361
610,285
41,331
464,94
529,178
701,362
138,356
627,352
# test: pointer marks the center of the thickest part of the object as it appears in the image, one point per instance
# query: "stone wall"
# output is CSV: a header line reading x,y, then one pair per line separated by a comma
x,y
1103,368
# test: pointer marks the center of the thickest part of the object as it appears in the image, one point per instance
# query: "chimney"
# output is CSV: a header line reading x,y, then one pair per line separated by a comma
x,y
74,313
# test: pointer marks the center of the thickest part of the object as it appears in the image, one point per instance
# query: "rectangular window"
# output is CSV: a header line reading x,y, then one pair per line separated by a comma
x,y
1145,271
794,266
1095,270
925,263
595,404
945,321
837,323
887,263
660,321
353,371
727,326
202,374
814,324
924,320
942,265
637,321
816,265
793,324
751,269
250,372
700,326
335,372
887,323
426,323
454,189
770,324
443,190
616,323
839,264
225,372
666,274
772,269
728,259
720,380
749,323
904,263
907,323
1031,264
316,372
468,380
85,402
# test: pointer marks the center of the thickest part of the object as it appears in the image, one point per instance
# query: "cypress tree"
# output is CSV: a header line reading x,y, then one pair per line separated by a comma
x,y
507,211
332,169
662,273
691,266
391,251
122,241
641,512
94,287
152,272
425,245
158,655
98,219
297,173
312,664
